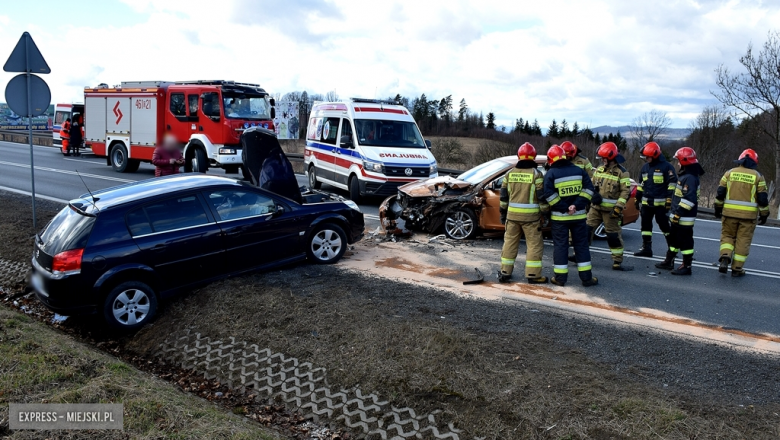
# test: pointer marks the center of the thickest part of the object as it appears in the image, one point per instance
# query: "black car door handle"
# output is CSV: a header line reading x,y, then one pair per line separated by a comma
x,y
236,231
159,247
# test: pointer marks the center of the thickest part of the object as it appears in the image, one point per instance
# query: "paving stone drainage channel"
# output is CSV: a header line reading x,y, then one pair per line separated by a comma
x,y
301,386
12,273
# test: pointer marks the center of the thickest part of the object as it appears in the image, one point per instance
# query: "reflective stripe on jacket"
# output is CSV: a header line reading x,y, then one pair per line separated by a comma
x,y
584,163
742,193
613,184
685,200
565,185
65,130
520,192
656,182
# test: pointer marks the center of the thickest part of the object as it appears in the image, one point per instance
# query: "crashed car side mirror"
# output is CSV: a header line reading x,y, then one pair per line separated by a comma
x,y
428,144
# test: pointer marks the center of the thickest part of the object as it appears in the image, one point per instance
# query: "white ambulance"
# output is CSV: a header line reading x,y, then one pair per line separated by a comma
x,y
367,147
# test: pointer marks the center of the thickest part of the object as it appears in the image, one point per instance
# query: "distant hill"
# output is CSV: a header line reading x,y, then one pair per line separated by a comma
x,y
625,130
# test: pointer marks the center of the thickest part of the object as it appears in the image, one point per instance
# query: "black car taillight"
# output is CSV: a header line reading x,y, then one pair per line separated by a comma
x,y
68,262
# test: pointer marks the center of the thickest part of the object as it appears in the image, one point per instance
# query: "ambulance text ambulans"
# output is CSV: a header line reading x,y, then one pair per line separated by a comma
x,y
125,123
366,147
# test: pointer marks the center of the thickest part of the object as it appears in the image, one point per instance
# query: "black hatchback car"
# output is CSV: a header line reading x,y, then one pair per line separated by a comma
x,y
122,249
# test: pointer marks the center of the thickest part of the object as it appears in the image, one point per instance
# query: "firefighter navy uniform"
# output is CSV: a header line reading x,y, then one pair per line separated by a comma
x,y
521,211
613,183
741,197
567,185
682,215
654,192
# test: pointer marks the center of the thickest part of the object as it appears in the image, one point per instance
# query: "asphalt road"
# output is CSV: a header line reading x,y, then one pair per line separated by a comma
x,y
751,303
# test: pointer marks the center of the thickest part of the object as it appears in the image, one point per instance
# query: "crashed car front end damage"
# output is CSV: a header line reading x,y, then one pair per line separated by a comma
x,y
425,205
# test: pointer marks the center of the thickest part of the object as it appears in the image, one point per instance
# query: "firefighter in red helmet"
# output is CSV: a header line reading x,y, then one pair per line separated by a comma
x,y
612,182
521,212
654,195
741,196
576,157
682,214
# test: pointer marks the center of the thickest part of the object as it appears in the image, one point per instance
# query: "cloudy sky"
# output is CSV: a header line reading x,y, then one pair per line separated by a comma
x,y
597,62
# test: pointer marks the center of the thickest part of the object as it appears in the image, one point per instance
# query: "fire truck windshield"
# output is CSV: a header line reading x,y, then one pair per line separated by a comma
x,y
246,107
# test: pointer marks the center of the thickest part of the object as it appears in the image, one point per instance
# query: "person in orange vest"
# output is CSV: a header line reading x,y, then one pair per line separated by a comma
x,y
65,136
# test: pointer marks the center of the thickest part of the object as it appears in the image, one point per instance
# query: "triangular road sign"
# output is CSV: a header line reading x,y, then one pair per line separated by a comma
x,y
24,52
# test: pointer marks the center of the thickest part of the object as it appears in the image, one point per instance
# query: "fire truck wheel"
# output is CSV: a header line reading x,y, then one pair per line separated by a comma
x,y
119,161
200,163
354,189
313,182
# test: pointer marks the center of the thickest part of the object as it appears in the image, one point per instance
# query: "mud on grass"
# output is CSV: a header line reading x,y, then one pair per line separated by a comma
x,y
430,350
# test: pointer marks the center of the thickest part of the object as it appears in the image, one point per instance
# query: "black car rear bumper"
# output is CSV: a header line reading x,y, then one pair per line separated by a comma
x,y
63,295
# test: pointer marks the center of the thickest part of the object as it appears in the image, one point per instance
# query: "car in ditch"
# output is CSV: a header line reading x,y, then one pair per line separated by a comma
x,y
118,251
463,206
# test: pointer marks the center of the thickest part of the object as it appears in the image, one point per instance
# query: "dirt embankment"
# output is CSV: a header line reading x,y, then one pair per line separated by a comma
x,y
496,369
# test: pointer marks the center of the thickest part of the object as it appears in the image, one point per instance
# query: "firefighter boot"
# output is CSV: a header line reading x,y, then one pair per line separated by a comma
x,y
504,277
537,280
591,282
685,267
738,273
558,281
668,263
724,264
647,248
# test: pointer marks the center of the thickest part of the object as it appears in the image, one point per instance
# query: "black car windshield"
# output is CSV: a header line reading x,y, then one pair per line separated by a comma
x,y
68,230
379,133
246,107
485,171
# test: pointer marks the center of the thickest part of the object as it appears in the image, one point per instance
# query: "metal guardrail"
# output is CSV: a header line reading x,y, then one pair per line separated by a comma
x,y
21,137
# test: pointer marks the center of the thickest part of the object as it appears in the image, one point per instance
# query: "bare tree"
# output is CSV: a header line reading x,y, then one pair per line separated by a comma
x,y
648,127
756,92
331,96
713,136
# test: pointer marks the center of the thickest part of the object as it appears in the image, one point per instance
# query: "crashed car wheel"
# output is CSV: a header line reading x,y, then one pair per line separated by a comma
x,y
327,244
130,305
460,224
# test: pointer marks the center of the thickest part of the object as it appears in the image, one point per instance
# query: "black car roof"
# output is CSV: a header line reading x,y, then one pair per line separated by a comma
x,y
144,189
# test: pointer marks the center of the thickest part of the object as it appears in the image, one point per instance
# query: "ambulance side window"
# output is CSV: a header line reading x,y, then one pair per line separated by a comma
x,y
330,130
346,141
177,104
192,101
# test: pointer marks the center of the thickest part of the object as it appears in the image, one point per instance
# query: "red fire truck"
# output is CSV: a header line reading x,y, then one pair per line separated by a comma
x,y
125,123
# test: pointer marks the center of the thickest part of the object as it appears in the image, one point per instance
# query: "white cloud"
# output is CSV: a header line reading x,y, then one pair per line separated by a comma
x,y
597,62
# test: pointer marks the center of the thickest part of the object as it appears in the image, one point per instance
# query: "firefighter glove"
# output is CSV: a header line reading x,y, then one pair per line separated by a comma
x,y
617,211
638,204
503,219
668,205
718,211
675,219
762,219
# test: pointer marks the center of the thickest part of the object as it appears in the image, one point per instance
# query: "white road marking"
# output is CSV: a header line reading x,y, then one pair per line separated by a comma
x,y
84,160
707,238
37,196
68,172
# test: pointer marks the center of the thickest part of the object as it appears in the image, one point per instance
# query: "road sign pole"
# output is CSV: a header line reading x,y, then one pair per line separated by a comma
x,y
30,134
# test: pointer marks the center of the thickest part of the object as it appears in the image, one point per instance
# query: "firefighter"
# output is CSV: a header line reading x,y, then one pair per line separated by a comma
x,y
612,182
576,157
521,212
654,195
65,136
741,195
568,190
684,207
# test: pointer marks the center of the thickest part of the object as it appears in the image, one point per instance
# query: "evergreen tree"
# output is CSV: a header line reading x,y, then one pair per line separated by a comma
x,y
597,139
621,142
519,125
526,128
420,110
491,121
564,130
611,138
398,98
553,130
536,130
481,122
575,129
462,110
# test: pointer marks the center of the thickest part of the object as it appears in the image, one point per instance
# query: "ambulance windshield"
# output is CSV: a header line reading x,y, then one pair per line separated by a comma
x,y
399,134
246,107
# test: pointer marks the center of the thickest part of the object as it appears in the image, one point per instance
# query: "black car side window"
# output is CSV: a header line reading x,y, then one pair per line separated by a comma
x,y
232,204
138,223
167,215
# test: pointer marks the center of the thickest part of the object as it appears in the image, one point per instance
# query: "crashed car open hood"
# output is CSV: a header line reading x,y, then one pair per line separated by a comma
x,y
267,164
430,187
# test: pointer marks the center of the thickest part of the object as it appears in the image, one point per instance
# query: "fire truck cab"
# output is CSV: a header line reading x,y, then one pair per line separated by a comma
x,y
127,122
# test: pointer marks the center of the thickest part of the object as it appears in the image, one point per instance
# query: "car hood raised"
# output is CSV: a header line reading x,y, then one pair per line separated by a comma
x,y
433,187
